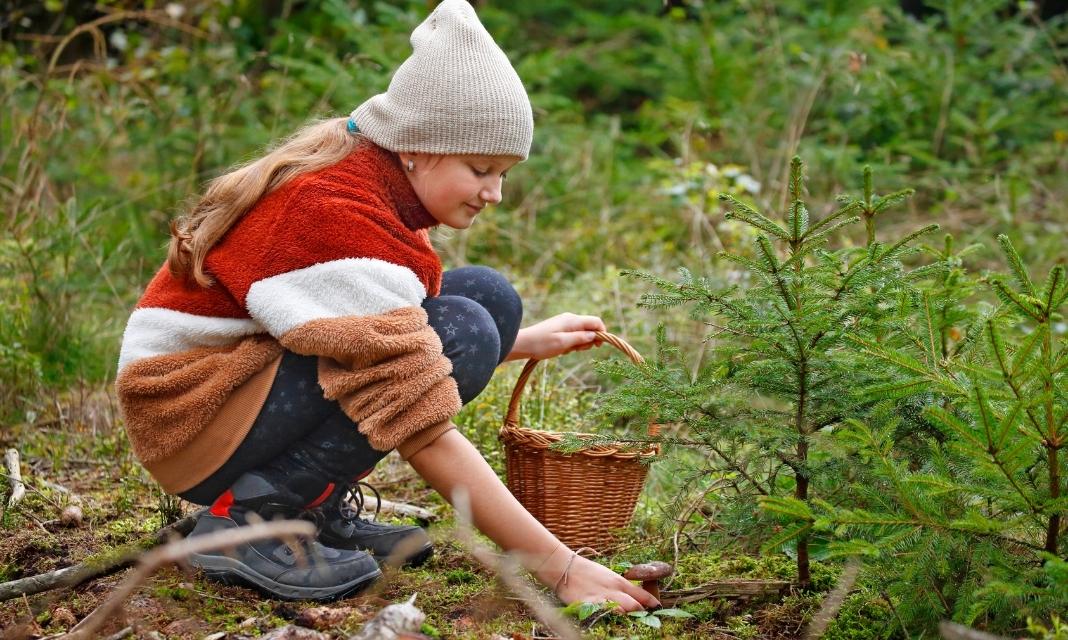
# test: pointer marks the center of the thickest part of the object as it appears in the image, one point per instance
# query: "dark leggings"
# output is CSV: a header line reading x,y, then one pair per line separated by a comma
x,y
477,317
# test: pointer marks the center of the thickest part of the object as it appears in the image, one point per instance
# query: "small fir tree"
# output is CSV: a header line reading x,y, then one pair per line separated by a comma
x,y
979,522
765,406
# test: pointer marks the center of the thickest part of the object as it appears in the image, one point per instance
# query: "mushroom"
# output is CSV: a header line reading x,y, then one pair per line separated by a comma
x,y
650,573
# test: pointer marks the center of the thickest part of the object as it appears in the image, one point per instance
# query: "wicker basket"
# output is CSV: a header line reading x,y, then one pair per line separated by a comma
x,y
582,496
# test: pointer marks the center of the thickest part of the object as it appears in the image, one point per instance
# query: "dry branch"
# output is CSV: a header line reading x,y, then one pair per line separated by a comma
x,y
14,472
79,573
179,550
400,508
728,589
954,631
833,602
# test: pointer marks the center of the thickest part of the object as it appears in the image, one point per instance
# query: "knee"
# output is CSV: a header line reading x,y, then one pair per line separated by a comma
x,y
485,285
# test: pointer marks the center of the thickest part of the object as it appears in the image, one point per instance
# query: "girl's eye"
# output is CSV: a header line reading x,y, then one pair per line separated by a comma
x,y
479,172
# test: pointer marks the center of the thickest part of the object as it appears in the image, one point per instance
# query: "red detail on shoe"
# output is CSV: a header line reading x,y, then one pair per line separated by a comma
x,y
363,475
222,505
326,494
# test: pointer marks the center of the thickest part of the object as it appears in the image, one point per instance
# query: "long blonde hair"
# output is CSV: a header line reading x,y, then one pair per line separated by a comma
x,y
231,195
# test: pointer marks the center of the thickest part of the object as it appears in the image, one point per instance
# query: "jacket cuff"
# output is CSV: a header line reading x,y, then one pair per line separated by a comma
x,y
421,439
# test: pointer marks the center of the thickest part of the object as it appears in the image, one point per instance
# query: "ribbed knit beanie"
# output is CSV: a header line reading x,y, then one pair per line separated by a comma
x,y
456,94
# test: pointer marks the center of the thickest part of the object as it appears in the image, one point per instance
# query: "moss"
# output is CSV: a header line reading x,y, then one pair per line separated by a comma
x,y
864,615
460,576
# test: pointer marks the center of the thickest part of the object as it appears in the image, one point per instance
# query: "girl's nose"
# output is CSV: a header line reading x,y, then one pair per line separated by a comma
x,y
491,194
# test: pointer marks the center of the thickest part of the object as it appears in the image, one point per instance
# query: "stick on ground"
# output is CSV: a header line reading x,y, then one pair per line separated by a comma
x,y
180,550
14,472
94,567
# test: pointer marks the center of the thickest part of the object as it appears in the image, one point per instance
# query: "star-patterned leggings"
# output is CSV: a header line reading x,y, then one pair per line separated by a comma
x,y
477,316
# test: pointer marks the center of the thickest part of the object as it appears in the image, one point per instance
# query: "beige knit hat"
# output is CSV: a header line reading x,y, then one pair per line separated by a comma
x,y
456,94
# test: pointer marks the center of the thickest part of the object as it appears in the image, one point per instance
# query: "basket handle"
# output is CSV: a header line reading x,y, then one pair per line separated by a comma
x,y
511,420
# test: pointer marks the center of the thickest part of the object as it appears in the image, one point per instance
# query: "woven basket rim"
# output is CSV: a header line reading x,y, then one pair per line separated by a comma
x,y
513,435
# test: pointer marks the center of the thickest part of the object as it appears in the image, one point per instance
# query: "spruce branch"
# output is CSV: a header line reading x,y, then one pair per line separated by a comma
x,y
1019,271
745,213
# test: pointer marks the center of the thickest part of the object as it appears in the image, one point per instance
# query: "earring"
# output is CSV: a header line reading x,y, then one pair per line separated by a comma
x,y
411,165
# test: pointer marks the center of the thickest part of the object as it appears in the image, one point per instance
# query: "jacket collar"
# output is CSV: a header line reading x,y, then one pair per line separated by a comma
x,y
399,189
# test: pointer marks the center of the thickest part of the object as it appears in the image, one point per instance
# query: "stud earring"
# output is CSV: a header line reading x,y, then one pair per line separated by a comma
x,y
411,166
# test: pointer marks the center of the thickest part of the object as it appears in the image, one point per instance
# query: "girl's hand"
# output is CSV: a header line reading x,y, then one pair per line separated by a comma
x,y
556,336
588,581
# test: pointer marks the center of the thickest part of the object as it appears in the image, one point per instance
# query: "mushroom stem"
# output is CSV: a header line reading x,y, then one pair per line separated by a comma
x,y
653,587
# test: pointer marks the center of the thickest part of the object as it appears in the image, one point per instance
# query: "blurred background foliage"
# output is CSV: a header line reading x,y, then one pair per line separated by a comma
x,y
115,114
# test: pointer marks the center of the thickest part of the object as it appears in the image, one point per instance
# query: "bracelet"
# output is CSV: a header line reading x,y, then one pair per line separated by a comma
x,y
567,567
548,557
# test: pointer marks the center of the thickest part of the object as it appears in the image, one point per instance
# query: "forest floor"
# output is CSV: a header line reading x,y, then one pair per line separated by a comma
x,y
79,449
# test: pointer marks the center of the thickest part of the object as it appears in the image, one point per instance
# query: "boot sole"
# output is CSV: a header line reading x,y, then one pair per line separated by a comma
x,y
230,571
418,559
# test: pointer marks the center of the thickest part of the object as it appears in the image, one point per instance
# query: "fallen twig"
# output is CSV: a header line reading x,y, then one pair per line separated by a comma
x,y
730,589
79,573
179,550
833,601
954,631
14,471
400,508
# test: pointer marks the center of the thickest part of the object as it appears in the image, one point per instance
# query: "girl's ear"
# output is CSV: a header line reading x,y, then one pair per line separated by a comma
x,y
410,160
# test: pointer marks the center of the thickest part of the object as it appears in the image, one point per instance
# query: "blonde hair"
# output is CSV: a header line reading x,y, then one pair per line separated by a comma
x,y
231,195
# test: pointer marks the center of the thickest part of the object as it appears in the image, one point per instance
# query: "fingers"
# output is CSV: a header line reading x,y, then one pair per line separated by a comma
x,y
575,322
627,603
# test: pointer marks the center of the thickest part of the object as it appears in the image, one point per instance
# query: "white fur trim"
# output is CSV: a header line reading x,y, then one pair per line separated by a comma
x,y
153,331
347,287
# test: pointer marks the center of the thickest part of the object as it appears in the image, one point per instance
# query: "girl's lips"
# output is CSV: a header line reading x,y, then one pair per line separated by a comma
x,y
473,208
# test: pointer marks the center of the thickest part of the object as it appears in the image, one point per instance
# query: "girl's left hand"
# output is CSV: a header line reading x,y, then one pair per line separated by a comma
x,y
556,336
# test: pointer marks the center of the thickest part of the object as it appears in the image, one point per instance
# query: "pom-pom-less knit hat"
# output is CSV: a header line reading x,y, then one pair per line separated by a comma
x,y
456,94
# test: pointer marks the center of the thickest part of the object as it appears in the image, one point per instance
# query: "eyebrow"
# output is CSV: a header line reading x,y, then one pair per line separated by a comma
x,y
493,162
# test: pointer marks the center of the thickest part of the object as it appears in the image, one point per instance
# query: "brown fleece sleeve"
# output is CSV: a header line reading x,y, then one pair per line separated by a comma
x,y
386,371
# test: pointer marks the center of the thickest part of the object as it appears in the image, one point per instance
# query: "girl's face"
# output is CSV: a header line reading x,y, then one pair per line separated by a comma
x,y
454,189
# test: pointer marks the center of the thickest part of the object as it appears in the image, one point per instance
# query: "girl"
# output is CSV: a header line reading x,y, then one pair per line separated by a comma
x,y
302,328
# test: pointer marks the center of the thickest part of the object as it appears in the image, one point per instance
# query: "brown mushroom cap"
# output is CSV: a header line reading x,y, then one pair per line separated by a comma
x,y
649,571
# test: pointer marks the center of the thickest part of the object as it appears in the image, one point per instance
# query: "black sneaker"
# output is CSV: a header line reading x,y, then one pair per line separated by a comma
x,y
272,566
343,528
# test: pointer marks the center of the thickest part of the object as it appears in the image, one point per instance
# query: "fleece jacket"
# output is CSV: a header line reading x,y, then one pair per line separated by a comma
x,y
334,263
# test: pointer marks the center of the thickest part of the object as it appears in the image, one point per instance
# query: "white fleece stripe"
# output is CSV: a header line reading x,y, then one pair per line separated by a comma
x,y
347,287
153,331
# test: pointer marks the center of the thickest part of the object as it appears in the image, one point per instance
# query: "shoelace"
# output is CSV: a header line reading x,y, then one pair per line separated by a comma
x,y
354,496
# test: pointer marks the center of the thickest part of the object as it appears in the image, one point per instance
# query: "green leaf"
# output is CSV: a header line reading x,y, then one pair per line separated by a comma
x,y
650,621
672,613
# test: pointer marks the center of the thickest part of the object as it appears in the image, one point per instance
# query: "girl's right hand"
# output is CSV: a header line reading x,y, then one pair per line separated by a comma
x,y
588,581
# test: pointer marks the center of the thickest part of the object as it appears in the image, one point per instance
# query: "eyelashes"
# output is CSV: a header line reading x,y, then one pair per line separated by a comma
x,y
482,174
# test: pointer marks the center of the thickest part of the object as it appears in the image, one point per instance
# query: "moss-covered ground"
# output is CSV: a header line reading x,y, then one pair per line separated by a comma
x,y
81,449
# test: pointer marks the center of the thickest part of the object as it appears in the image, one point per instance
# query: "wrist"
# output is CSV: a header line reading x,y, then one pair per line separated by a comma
x,y
520,350
550,570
